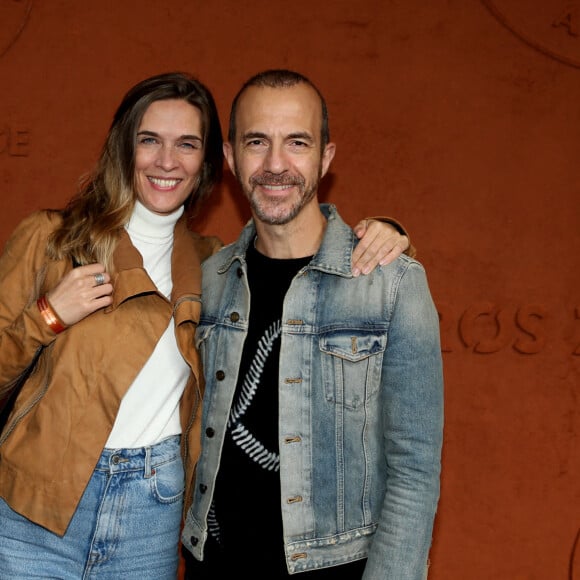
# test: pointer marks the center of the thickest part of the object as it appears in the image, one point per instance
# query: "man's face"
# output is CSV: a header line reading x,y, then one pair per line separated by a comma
x,y
277,155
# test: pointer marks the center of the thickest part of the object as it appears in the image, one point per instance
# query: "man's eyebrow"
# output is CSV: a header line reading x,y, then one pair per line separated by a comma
x,y
254,135
301,135
259,135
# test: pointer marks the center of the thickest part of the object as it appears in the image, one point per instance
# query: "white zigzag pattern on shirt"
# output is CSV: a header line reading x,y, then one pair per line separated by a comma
x,y
254,449
213,526
242,437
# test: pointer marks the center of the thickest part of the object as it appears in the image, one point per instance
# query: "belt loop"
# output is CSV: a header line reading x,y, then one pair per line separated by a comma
x,y
147,473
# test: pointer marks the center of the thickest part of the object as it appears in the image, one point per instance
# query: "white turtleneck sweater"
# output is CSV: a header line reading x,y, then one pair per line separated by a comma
x,y
149,410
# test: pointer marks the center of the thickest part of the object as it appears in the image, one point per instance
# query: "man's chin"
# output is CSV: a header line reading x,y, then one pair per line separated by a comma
x,y
273,214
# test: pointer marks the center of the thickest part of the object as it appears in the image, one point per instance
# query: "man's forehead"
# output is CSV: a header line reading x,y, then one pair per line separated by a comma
x,y
296,108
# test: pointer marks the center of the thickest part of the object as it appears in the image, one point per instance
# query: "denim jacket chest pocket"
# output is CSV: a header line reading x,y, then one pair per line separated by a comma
x,y
352,366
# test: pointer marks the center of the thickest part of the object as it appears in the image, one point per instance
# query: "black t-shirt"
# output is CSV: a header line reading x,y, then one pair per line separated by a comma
x,y
245,521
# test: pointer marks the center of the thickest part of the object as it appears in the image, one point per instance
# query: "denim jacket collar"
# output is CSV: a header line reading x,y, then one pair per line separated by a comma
x,y
333,256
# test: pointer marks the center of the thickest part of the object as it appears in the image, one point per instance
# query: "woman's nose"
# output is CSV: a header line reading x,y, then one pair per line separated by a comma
x,y
166,158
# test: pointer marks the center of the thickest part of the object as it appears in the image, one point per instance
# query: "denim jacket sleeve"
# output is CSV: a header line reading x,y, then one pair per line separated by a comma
x,y
413,433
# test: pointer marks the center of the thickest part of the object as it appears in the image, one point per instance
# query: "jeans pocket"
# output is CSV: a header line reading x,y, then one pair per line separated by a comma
x,y
169,481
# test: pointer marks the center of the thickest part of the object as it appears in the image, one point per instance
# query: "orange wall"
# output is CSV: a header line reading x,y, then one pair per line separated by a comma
x,y
459,117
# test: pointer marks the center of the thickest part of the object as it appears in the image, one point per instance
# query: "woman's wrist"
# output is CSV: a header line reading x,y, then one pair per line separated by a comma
x,y
49,315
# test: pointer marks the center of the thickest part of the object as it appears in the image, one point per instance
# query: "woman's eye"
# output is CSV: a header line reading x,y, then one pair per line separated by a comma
x,y
147,140
194,145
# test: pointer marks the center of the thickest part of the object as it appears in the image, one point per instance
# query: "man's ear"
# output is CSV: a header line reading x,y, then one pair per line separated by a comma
x,y
327,157
229,155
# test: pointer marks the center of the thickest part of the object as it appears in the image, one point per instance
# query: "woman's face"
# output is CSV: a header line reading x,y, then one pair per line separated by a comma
x,y
169,155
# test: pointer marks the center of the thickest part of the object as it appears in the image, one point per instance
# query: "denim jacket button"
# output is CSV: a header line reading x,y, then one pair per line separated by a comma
x,y
210,431
220,375
202,487
234,316
194,541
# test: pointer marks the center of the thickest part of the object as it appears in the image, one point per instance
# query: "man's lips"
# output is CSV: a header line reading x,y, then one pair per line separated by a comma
x,y
275,185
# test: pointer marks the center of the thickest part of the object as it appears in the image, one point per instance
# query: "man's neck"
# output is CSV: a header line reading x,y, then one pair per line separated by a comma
x,y
297,239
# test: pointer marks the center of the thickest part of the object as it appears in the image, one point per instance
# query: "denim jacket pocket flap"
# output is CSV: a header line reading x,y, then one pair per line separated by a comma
x,y
353,346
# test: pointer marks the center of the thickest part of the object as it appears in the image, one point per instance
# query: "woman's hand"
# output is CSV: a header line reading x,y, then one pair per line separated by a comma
x,y
380,243
81,292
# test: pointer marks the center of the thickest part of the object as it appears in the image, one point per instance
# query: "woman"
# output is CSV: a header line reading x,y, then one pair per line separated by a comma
x,y
107,294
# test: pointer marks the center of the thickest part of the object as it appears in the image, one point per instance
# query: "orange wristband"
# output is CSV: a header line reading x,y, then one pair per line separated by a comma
x,y
49,315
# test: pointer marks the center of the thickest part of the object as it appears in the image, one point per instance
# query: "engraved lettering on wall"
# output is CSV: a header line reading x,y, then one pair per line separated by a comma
x,y
14,15
14,141
551,28
487,327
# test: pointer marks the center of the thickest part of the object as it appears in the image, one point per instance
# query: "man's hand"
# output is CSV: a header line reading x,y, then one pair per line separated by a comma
x,y
380,243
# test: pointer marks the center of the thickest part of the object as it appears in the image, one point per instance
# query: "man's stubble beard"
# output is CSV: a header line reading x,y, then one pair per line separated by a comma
x,y
261,210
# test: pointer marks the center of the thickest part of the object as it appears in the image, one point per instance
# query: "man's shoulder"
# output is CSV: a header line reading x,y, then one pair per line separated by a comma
x,y
225,255
401,265
223,258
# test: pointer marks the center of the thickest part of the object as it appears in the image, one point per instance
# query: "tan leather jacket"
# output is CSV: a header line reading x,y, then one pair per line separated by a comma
x,y
66,409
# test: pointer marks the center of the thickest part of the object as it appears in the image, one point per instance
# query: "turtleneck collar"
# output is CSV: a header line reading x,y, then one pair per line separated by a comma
x,y
145,223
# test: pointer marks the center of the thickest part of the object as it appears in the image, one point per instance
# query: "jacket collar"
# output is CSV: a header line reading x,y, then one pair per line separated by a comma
x,y
131,278
334,255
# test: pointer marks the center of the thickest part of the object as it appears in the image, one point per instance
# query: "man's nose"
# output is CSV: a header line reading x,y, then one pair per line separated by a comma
x,y
275,160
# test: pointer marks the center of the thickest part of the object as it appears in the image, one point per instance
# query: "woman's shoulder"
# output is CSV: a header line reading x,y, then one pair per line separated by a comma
x,y
35,227
46,219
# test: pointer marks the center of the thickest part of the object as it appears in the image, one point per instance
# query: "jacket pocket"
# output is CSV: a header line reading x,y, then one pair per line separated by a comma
x,y
352,365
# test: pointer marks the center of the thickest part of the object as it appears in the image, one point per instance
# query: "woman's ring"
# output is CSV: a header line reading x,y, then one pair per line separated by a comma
x,y
99,279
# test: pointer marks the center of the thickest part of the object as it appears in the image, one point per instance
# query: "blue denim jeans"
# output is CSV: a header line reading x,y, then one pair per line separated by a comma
x,y
125,526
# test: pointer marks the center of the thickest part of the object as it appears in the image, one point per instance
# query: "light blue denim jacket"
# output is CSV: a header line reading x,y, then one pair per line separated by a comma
x,y
361,406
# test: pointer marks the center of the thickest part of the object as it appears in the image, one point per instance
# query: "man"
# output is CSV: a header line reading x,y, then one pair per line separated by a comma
x,y
323,411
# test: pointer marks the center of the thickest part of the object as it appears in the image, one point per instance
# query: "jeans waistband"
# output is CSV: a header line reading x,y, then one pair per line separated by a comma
x,y
139,458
